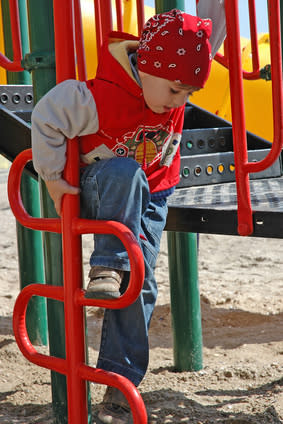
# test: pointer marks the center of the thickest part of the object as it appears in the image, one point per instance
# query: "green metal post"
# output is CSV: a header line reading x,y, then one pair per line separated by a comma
x,y
183,271
30,252
166,5
185,301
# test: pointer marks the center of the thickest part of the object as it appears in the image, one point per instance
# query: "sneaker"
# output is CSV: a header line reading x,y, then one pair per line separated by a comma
x,y
104,283
115,408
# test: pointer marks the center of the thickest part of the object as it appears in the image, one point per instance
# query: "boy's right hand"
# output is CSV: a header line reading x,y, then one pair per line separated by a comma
x,y
57,189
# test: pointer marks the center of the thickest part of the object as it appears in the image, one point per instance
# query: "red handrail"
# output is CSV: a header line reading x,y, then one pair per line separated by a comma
x,y
80,49
119,14
140,15
242,166
223,59
15,64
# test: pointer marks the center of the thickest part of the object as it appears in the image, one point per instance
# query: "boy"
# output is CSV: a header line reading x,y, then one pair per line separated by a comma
x,y
129,119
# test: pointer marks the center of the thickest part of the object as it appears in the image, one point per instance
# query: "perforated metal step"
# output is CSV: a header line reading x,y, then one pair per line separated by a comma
x,y
213,208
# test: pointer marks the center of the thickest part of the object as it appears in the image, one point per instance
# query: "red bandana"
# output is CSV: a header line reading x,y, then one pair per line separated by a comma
x,y
175,46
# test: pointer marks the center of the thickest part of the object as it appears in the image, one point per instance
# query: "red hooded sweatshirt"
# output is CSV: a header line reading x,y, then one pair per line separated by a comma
x,y
127,127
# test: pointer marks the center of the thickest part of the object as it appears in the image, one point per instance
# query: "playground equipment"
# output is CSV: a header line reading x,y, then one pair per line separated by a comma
x,y
183,214
257,93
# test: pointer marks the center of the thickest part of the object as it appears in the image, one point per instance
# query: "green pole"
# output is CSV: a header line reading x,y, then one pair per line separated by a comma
x,y
185,301
30,251
183,272
166,5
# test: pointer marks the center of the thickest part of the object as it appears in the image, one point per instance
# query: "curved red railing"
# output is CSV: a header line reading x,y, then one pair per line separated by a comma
x,y
242,166
15,64
224,59
73,295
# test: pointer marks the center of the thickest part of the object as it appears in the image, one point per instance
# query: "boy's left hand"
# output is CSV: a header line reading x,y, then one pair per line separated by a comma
x,y
57,189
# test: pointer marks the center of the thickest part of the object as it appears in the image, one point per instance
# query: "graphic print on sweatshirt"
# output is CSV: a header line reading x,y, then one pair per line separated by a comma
x,y
161,145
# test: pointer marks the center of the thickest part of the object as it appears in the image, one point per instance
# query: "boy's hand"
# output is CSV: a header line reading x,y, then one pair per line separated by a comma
x,y
57,189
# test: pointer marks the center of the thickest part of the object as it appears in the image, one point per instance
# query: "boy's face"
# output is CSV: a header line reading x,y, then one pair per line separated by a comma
x,y
162,95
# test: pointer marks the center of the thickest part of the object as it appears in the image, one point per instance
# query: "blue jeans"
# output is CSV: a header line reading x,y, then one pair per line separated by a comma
x,y
117,189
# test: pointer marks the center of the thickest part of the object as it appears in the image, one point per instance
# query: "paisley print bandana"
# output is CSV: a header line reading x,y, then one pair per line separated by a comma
x,y
175,46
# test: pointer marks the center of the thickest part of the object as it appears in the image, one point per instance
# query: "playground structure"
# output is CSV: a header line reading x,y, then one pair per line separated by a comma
x,y
73,366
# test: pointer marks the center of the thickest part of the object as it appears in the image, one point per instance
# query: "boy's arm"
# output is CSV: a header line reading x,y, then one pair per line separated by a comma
x,y
66,111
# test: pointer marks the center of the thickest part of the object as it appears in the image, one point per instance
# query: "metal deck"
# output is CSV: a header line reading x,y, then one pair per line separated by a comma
x,y
213,208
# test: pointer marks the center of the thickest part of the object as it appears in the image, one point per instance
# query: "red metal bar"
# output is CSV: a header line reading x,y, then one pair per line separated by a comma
x,y
106,17
64,40
84,226
98,26
119,14
20,331
277,89
6,63
253,32
79,38
14,183
74,316
223,59
140,13
243,167
121,383
245,224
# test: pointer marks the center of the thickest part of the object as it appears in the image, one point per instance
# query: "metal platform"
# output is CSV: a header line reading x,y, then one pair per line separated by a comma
x,y
213,209
205,200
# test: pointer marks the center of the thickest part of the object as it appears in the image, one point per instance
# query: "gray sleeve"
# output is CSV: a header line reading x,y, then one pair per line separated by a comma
x,y
215,10
66,111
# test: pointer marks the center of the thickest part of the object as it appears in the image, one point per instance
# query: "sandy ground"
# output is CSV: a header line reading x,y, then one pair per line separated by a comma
x,y
241,281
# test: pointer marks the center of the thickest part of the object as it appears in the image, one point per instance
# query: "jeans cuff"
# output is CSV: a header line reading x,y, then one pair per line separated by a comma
x,y
112,366
121,264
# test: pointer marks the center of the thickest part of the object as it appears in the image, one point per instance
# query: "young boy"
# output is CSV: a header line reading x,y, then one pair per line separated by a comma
x,y
129,120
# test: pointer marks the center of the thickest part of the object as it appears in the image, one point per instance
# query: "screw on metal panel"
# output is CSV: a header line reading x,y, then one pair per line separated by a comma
x,y
211,143
201,143
4,98
29,98
16,98
222,141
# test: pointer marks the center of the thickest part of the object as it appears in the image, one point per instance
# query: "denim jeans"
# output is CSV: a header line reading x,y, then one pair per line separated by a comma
x,y
117,189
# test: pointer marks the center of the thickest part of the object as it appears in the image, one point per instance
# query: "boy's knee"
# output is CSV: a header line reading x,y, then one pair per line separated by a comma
x,y
126,169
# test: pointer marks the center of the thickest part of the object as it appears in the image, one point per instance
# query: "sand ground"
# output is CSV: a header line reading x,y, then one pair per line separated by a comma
x,y
241,282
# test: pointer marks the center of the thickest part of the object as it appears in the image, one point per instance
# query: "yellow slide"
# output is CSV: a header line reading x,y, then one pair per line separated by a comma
x,y
216,95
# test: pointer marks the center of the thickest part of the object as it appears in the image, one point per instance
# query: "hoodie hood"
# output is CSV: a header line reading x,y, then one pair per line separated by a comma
x,y
115,56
